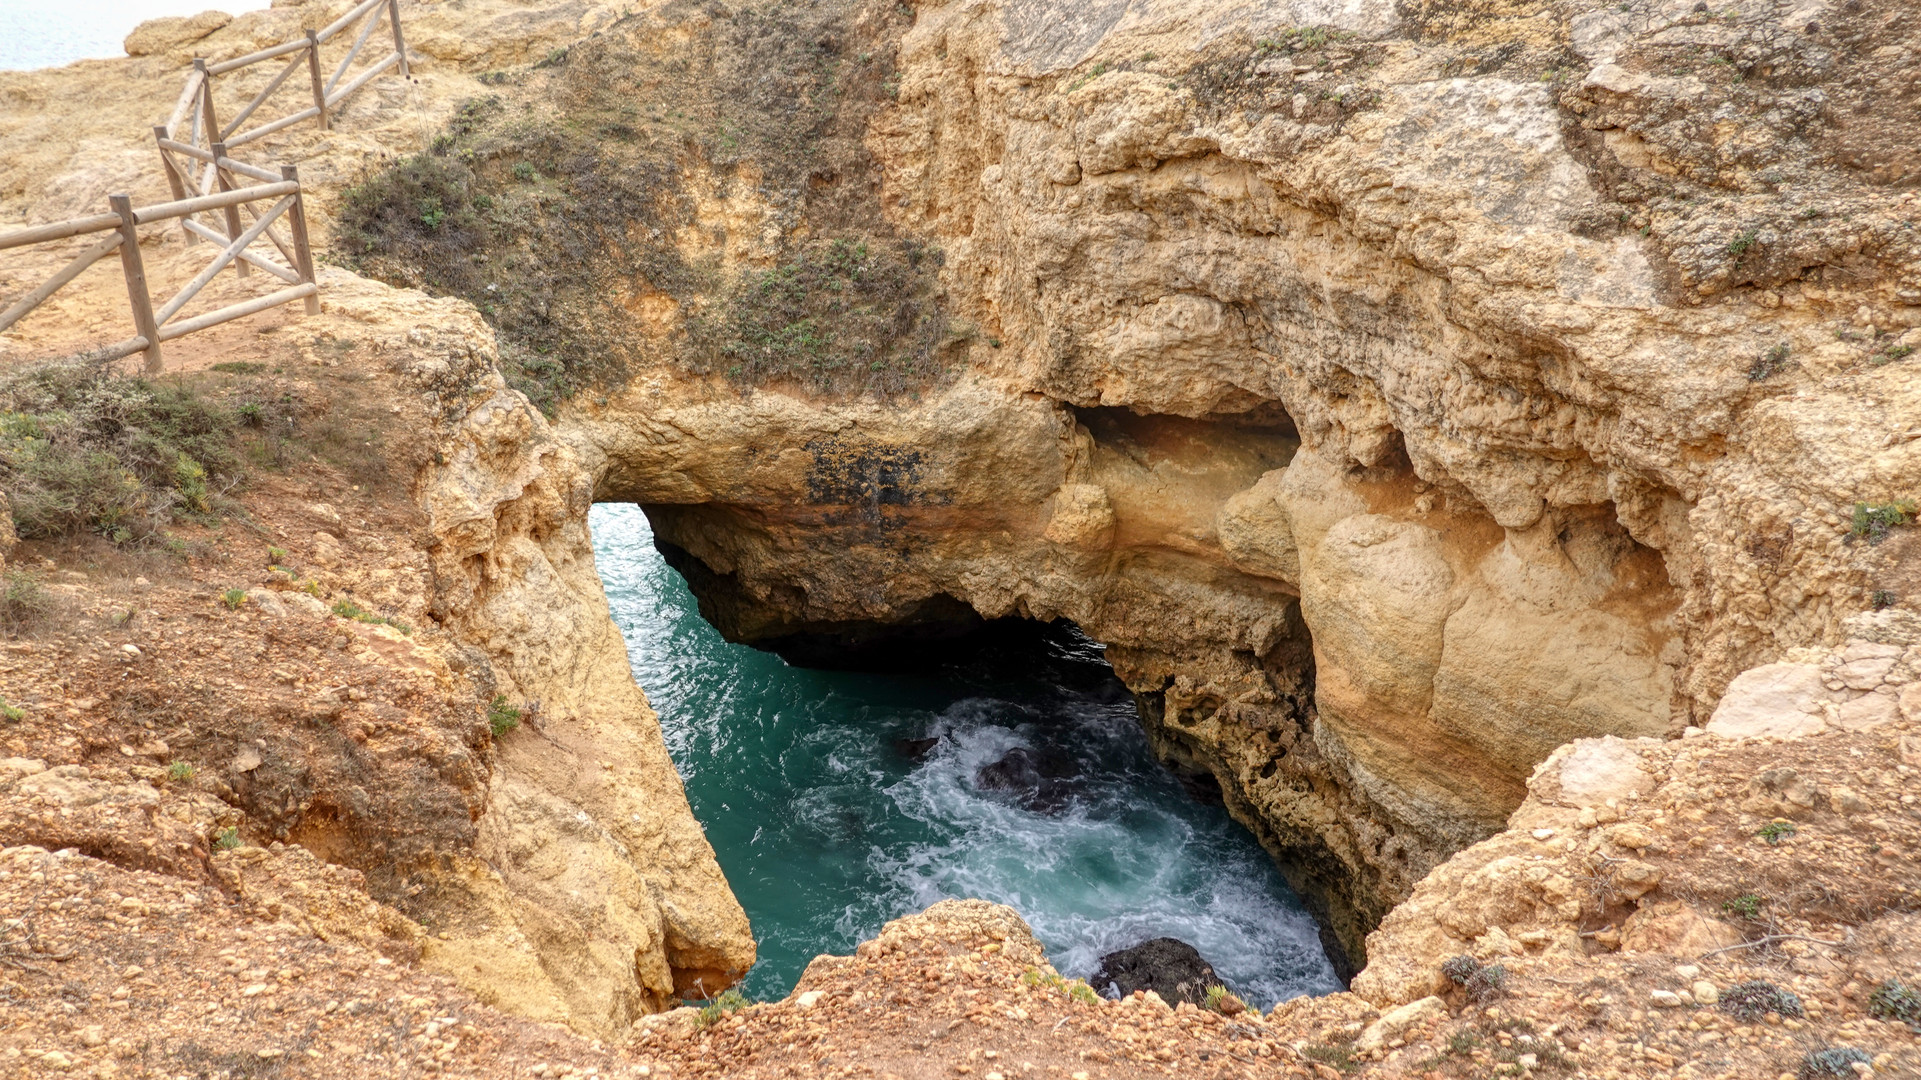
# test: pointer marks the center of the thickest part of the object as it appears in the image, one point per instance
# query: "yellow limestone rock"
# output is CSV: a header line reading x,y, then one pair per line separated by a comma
x,y
160,35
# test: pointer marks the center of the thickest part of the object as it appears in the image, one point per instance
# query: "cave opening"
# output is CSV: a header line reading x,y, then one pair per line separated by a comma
x,y
848,775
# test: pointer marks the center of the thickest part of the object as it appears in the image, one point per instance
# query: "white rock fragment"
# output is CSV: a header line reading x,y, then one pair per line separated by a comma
x,y
1395,1021
1773,699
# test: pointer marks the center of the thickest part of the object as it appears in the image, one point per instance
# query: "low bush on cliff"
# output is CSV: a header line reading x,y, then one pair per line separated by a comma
x,y
731,1001
1483,982
82,449
1874,521
633,206
1837,1061
1895,1000
1756,998
22,600
838,314
502,716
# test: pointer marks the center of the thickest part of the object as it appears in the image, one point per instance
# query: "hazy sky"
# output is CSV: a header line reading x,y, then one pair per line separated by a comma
x,y
47,33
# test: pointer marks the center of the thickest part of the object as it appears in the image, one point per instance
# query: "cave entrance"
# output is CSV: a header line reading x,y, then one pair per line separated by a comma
x,y
1002,760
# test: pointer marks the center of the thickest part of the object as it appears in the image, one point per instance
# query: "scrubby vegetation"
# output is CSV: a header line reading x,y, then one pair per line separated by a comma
x,y
22,600
731,1001
1075,989
1756,998
1873,521
1483,982
1895,1000
347,609
839,312
502,716
1834,1061
85,450
567,212
1769,363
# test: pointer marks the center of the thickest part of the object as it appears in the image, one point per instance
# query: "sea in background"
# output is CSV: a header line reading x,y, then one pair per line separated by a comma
x,y
49,33
830,821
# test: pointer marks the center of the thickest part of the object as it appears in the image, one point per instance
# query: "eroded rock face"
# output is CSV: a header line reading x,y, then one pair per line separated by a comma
x,y
1392,418
586,893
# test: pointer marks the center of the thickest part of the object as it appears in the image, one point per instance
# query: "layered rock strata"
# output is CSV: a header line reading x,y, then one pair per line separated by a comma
x,y
1395,407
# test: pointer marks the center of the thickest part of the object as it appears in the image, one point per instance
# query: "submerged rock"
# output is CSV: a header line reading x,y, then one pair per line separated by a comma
x,y
1038,781
1168,966
916,750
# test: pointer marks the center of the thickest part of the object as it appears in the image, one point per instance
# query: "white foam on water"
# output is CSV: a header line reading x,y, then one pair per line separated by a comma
x,y
1127,860
826,831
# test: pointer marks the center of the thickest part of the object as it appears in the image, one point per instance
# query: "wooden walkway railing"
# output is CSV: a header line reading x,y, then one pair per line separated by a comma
x,y
195,124
195,151
153,326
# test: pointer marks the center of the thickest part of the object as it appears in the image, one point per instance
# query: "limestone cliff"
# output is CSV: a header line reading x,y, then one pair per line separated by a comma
x,y
1398,391
1398,394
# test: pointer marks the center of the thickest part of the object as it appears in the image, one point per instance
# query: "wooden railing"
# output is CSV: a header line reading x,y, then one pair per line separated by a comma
x,y
195,154
153,326
194,130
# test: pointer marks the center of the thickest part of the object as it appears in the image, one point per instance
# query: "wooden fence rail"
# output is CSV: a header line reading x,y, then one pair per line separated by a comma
x,y
195,121
151,326
195,155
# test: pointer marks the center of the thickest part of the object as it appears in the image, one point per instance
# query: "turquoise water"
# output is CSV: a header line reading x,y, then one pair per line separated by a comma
x,y
827,829
36,34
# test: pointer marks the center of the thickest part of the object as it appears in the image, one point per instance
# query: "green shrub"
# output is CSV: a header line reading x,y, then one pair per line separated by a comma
x,y
10,712
730,1002
347,609
1776,831
1894,1000
1769,363
1837,1061
1460,969
1075,989
502,717
1747,906
1338,1056
1874,521
180,772
276,556
227,839
837,314
1488,983
1756,998
233,598
83,449
22,600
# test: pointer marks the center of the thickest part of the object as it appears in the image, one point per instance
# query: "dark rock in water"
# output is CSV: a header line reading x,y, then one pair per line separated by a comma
x,y
1169,967
916,749
1039,782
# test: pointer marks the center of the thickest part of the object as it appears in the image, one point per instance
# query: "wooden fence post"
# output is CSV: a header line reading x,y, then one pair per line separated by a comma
x,y
175,182
400,43
136,275
303,254
206,100
319,86
233,212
